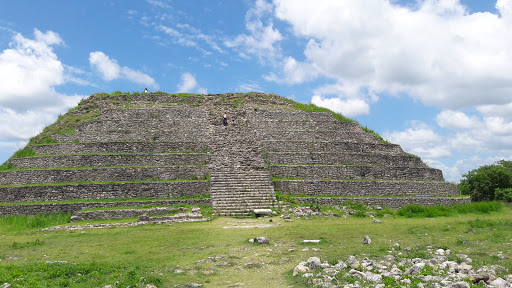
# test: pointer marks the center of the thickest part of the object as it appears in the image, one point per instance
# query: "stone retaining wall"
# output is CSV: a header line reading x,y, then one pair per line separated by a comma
x,y
305,124
34,209
329,146
122,147
131,135
366,188
356,172
291,158
317,135
104,191
393,203
113,125
68,161
153,114
119,213
21,177
316,116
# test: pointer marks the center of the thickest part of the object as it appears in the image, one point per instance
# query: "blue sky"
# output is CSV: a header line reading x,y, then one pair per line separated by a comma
x,y
434,76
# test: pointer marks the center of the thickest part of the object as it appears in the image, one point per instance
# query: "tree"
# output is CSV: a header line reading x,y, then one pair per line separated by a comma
x,y
481,183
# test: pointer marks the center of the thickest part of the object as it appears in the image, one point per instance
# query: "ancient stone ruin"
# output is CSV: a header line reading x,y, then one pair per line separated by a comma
x,y
166,149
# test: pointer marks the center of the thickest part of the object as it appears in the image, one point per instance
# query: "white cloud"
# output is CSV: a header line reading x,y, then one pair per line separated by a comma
x,y
262,35
29,70
457,120
110,70
421,140
347,107
189,84
294,72
436,52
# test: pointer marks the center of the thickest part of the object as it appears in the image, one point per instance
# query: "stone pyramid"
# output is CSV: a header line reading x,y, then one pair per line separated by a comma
x,y
158,148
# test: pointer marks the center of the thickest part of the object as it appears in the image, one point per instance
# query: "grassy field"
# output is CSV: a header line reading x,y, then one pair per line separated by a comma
x,y
217,253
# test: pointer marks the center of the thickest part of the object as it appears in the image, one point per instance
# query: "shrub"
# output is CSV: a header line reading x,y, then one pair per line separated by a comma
x,y
503,194
482,183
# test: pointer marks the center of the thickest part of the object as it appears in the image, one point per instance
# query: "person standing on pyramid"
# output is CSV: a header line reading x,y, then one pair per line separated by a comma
x,y
225,119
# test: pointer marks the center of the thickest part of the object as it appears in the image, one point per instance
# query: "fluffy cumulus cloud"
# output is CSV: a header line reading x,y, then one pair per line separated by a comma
x,y
29,72
189,84
457,120
109,70
262,36
421,140
436,52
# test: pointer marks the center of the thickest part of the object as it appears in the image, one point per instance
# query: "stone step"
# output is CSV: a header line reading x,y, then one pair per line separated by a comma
x,y
268,116
232,194
23,177
302,124
33,209
392,202
70,161
293,158
366,188
356,172
121,147
355,137
154,114
143,125
103,191
280,145
149,135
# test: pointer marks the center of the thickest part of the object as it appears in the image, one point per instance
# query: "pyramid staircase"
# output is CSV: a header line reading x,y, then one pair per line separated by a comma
x,y
239,193
239,182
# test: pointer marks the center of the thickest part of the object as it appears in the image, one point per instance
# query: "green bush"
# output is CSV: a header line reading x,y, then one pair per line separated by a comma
x,y
482,183
503,194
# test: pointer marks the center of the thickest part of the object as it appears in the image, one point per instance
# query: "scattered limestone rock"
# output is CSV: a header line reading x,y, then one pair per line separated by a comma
x,y
444,273
259,212
367,240
260,240
311,241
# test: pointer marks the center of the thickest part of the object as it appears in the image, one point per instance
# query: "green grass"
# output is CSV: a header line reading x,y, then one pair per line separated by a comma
x,y
418,211
137,256
25,152
7,166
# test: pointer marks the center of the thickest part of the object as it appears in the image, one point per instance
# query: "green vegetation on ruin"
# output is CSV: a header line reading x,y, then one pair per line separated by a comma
x,y
137,256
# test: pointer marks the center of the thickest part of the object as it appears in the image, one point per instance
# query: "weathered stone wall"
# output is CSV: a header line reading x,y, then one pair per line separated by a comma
x,y
63,161
393,203
33,209
366,188
175,113
122,147
132,135
292,158
329,146
119,213
306,124
103,191
265,116
21,177
317,135
113,125
356,172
